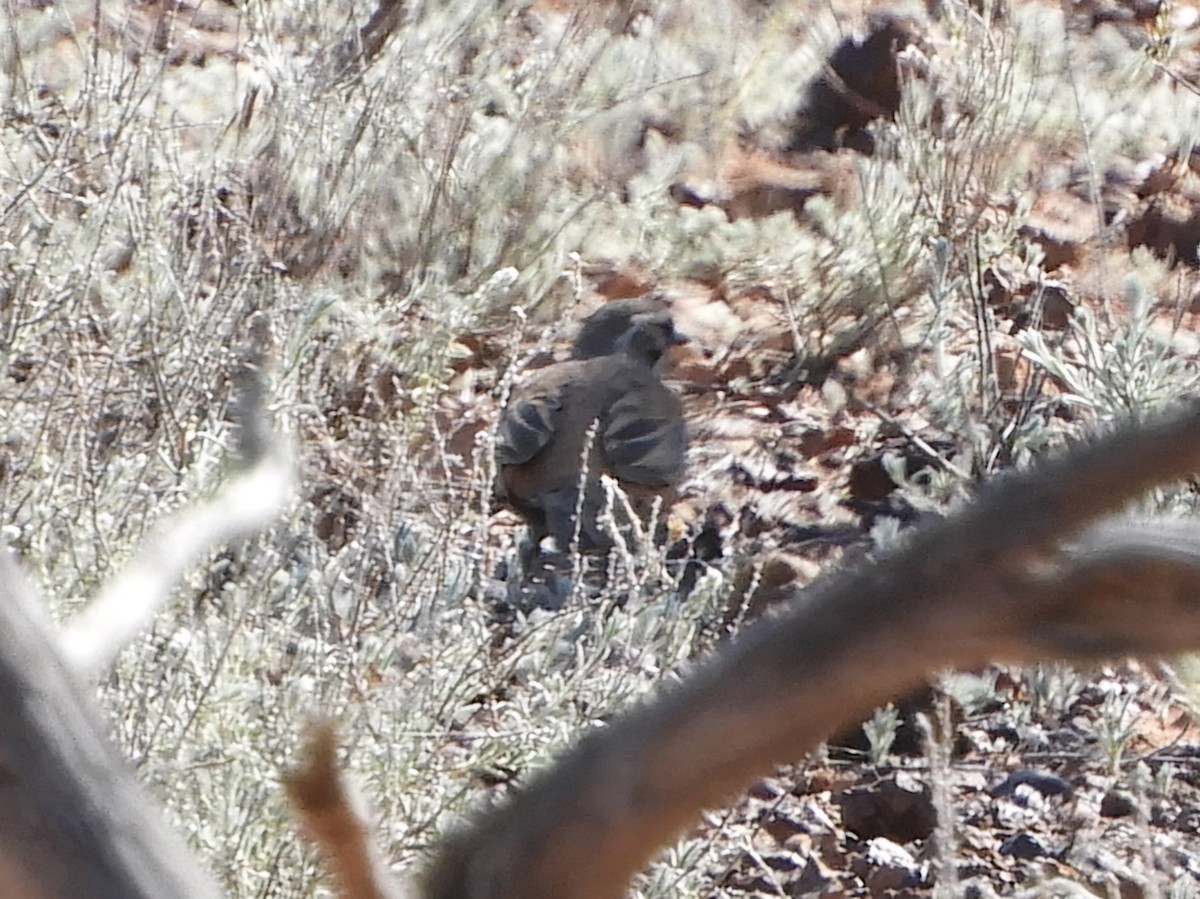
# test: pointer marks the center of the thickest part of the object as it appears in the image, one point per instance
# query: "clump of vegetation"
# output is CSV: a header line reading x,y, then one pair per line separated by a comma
x,y
414,203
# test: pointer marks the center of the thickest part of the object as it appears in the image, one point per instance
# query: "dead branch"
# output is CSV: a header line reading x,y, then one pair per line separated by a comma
x,y
990,583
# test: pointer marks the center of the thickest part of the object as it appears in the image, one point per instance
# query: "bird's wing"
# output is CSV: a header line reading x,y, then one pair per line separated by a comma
x,y
528,421
645,439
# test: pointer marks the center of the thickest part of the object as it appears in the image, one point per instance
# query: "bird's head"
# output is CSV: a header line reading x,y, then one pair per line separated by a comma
x,y
648,338
604,329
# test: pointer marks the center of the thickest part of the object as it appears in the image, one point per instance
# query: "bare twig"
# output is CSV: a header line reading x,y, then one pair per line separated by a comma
x,y
245,503
319,794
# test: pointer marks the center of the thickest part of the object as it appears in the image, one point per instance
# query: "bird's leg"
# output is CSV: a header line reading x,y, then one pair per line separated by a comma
x,y
528,548
537,579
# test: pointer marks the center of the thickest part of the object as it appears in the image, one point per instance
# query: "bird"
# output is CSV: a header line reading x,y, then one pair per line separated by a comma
x,y
606,402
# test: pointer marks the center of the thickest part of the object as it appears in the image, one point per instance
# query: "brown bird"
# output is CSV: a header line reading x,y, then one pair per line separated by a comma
x,y
611,381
